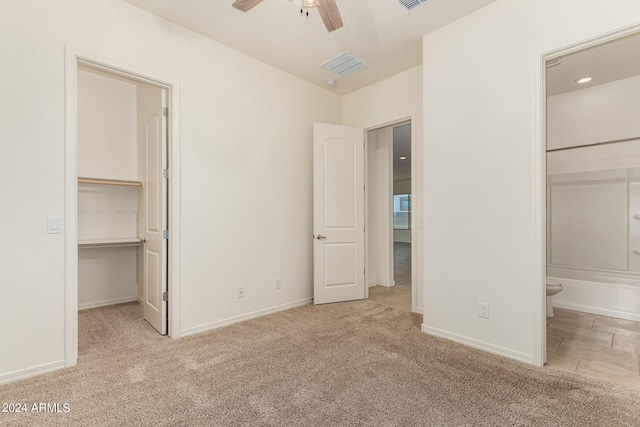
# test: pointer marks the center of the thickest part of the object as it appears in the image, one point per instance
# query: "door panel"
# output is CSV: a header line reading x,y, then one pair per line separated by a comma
x,y
338,214
151,101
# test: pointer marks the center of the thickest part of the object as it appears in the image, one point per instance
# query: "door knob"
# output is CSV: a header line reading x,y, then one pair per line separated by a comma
x,y
320,236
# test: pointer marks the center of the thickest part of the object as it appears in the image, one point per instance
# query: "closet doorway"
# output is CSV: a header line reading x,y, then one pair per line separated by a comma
x,y
120,128
122,194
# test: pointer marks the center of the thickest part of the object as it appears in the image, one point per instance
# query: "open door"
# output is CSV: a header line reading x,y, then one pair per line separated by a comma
x,y
151,110
338,213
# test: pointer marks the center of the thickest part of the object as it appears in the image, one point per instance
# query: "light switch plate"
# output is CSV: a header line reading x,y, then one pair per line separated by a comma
x,y
54,225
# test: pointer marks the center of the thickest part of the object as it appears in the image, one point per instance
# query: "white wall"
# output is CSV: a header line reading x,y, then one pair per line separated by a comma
x,y
402,187
107,127
379,165
602,113
403,236
396,98
245,161
482,163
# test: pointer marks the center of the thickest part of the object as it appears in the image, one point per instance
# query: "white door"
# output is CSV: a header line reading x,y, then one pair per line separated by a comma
x,y
151,102
338,213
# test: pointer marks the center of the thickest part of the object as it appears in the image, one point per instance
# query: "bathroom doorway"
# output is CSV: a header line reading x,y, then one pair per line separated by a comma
x,y
593,210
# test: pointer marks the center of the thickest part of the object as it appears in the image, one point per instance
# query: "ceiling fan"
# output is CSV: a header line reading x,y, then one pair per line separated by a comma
x,y
327,9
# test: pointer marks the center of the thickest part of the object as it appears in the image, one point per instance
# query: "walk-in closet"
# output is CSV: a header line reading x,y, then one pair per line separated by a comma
x,y
122,193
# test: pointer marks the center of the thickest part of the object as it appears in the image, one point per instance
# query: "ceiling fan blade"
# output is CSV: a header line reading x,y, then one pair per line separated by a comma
x,y
245,5
330,14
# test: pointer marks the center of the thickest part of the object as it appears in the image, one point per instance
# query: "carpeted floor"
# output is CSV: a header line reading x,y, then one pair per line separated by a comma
x,y
359,363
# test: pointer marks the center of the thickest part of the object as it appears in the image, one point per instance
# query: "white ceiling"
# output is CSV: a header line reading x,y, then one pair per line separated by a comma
x,y
381,32
607,62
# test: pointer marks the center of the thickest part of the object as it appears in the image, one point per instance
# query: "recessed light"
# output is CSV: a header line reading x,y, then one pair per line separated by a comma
x,y
584,80
403,158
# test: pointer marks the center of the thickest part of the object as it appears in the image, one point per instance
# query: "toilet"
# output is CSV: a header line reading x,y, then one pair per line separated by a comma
x,y
552,289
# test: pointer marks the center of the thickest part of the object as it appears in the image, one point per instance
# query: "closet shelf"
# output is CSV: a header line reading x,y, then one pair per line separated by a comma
x,y
109,243
101,181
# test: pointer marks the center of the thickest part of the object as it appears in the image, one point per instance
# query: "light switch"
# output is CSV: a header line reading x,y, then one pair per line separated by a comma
x,y
54,225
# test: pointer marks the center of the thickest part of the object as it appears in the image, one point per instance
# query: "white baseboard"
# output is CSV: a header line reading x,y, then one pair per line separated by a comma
x,y
96,304
480,345
597,310
231,320
386,285
31,372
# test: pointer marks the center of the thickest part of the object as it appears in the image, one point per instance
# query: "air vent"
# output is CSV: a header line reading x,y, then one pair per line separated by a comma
x,y
413,4
345,64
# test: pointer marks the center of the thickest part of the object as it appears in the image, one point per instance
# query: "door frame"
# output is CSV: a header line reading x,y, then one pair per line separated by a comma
x,y
73,58
416,202
576,44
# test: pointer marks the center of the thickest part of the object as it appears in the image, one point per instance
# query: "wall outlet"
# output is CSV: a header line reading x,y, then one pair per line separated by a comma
x,y
483,310
240,293
277,283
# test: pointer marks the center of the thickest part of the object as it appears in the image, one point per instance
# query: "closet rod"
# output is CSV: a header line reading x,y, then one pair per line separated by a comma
x,y
615,141
115,245
109,182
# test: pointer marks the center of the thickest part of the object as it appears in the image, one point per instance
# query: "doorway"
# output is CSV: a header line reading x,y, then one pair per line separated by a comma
x,y
121,152
592,170
389,215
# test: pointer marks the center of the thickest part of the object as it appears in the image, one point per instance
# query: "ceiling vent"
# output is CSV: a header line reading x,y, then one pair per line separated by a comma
x,y
345,64
413,4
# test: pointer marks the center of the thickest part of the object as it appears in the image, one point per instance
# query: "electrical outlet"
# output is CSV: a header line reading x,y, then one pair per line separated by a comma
x,y
483,310
240,292
278,283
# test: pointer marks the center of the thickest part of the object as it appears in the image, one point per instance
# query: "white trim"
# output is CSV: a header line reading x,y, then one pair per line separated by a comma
x,y
539,191
231,320
31,372
73,57
599,311
480,345
386,285
391,265
103,303
598,36
416,210
71,210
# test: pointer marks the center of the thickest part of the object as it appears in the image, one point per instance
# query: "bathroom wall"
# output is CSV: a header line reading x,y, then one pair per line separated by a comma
x,y
593,194
606,112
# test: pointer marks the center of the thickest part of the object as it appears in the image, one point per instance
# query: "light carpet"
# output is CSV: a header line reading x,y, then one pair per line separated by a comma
x,y
358,363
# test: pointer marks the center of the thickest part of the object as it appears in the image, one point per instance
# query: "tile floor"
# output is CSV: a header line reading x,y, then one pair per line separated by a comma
x,y
399,295
597,346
